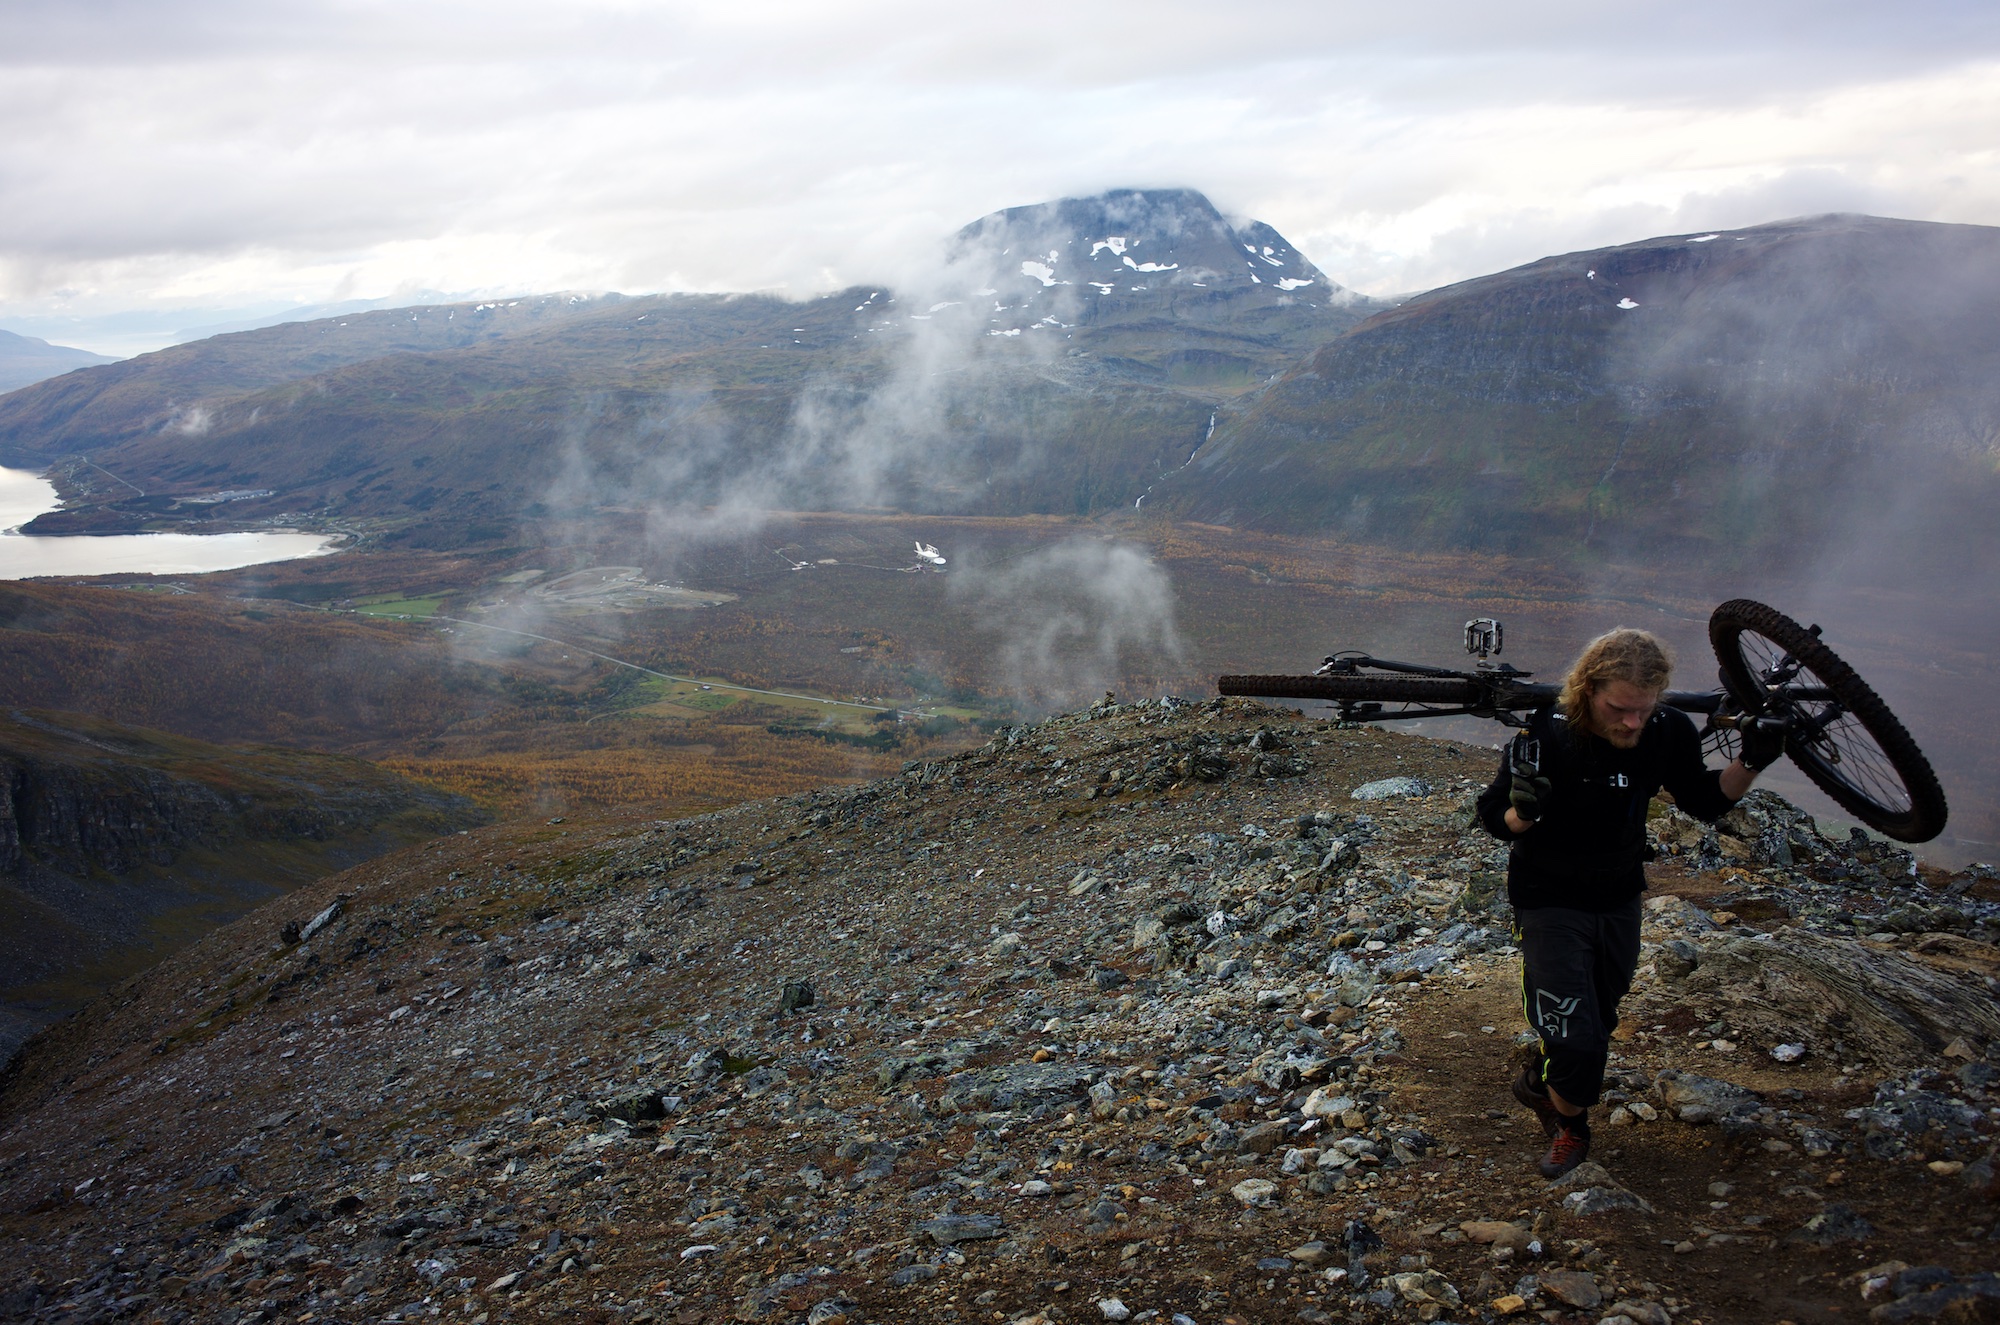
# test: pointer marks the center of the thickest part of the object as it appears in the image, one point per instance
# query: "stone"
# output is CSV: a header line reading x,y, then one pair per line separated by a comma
x,y
1309,1254
1299,1160
1698,1099
1509,1304
1383,789
319,922
633,1107
1835,1224
1590,1173
1936,1293
1676,959
1017,1086
1400,967
1884,1005
1112,1309
1575,1288
1263,1138
1421,1286
1641,1311
1320,1104
1601,1200
1256,1192
1498,1233
1673,914
1788,1053
948,1229
913,1274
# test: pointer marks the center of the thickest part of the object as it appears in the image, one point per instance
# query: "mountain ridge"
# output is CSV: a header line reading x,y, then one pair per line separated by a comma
x,y
25,360
1709,396
1758,387
832,402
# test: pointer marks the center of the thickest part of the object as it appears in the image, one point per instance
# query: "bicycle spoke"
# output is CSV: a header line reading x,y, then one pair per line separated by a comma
x,y
1851,748
1839,740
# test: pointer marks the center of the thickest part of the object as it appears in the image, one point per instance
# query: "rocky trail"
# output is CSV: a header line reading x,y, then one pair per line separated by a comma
x,y
1175,1012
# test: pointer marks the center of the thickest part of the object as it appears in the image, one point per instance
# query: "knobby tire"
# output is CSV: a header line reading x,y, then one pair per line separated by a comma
x,y
1866,760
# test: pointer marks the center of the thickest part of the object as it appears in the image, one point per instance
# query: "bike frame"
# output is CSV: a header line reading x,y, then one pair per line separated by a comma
x,y
1508,693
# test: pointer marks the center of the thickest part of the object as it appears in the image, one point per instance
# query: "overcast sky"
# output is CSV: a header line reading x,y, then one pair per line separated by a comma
x,y
166,162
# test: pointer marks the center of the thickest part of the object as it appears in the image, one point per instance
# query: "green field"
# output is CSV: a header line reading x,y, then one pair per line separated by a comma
x,y
396,605
708,701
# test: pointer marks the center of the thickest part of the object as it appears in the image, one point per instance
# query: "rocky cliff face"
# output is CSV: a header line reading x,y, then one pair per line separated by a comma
x,y
83,795
70,819
117,844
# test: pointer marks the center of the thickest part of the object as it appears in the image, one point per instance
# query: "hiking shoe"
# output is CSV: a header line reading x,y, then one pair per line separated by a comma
x,y
1567,1149
1544,1108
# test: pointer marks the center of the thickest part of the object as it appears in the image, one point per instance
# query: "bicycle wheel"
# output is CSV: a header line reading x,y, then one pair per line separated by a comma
x,y
1443,691
1853,748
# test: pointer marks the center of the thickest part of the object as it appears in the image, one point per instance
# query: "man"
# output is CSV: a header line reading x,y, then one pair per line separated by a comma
x,y
1571,799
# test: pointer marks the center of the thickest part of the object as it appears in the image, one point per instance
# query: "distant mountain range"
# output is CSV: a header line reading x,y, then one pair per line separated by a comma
x,y
996,391
25,360
1709,397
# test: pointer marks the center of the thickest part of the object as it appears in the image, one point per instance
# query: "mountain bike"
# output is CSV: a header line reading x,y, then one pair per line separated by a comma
x,y
1774,672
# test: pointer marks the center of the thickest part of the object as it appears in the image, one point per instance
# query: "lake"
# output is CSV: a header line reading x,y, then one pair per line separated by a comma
x,y
24,495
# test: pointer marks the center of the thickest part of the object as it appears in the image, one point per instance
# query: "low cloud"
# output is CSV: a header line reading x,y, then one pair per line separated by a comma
x,y
1070,621
191,156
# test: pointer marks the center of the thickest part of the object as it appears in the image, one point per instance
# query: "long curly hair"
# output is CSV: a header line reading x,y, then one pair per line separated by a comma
x,y
1637,656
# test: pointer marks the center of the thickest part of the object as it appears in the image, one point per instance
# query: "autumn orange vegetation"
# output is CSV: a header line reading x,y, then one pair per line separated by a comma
x,y
716,764
522,727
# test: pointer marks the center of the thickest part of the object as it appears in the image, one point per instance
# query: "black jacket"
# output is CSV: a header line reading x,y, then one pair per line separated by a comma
x,y
1589,849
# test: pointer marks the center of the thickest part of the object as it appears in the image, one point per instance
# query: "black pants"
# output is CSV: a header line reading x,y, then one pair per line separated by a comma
x,y
1575,966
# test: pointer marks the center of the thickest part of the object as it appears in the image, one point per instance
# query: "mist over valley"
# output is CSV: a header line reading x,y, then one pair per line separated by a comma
x,y
1802,411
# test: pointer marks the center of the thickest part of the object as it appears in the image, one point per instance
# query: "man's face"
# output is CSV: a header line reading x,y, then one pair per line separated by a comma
x,y
1619,710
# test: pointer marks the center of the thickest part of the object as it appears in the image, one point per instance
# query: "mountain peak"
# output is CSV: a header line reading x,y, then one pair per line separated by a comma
x,y
1128,242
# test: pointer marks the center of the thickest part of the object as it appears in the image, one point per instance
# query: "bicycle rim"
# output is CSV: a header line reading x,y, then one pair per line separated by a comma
x,y
1855,750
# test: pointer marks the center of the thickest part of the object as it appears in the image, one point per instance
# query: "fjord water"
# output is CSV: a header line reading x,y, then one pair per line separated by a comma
x,y
24,495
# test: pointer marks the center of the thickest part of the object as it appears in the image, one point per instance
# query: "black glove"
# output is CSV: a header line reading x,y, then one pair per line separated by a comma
x,y
1529,791
1763,743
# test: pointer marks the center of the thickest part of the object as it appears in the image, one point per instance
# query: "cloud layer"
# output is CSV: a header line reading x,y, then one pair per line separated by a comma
x,y
216,156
